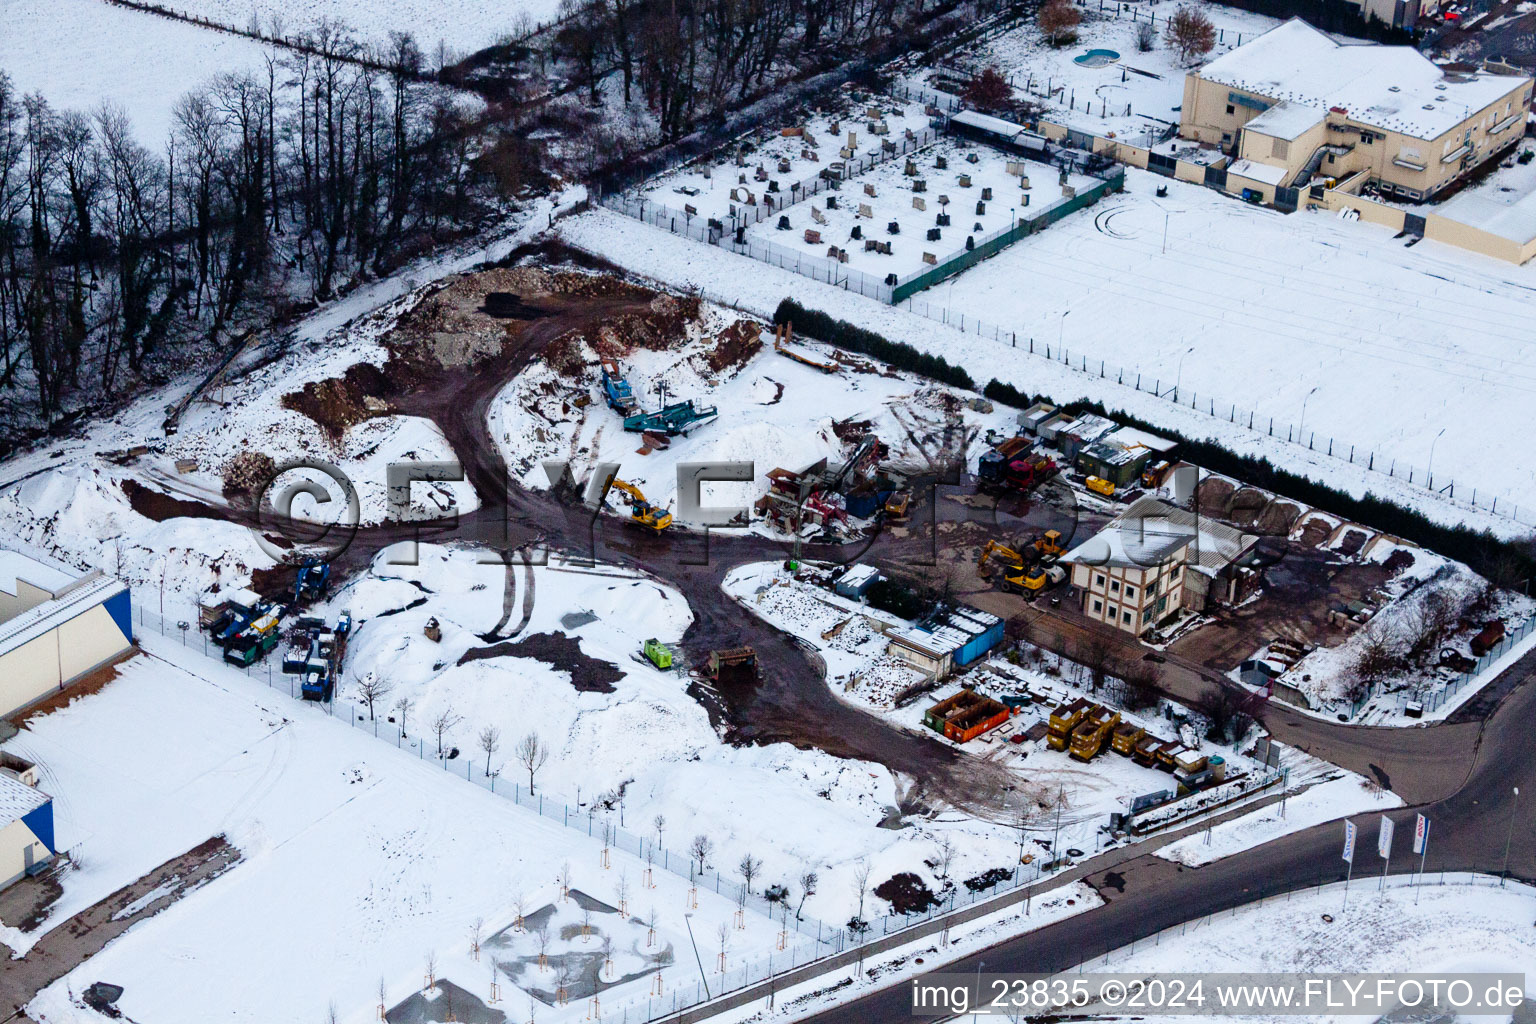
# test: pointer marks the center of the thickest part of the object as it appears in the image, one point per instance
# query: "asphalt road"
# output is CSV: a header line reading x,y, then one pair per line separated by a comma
x,y
1470,826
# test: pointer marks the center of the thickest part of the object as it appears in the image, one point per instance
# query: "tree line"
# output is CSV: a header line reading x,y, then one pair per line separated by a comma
x,y
123,260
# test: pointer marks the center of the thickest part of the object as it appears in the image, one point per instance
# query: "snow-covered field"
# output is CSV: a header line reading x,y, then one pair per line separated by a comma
x,y
1468,924
464,26
82,53
1390,350
1051,77
358,861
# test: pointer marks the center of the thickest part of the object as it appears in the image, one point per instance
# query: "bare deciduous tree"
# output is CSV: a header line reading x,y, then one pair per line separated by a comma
x,y
402,709
750,866
700,848
808,882
532,755
371,689
1146,37
444,721
490,742
659,823
861,872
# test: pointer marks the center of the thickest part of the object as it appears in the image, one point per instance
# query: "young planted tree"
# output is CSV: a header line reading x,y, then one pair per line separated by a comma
x,y
402,709
700,848
490,742
445,720
861,883
1191,33
532,755
808,882
750,866
659,823
1058,21
371,689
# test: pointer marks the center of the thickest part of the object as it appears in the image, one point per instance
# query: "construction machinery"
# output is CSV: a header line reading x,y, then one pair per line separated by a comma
x,y
1153,476
672,420
616,390
1035,579
1021,474
989,469
896,506
1048,544
640,510
1003,553
732,657
659,653
313,579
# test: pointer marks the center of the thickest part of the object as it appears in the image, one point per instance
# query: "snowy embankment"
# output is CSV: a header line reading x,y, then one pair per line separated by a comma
x,y
462,26
1450,925
1376,388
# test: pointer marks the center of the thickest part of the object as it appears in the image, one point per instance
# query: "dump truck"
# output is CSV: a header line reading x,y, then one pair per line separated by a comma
x,y
659,653
1021,475
1125,738
990,467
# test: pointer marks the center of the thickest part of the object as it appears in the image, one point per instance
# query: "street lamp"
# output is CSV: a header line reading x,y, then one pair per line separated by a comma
x,y
1430,470
1508,836
1062,332
975,1006
688,920
1301,430
1179,378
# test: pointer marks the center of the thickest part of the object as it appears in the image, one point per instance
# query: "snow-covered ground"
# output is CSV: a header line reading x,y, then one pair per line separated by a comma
x,y
1468,924
1051,77
82,53
358,861
1334,798
774,412
464,26
1388,349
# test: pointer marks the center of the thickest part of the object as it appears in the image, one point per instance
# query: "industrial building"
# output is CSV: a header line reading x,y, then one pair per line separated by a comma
x,y
946,640
26,821
55,626
1156,559
1296,107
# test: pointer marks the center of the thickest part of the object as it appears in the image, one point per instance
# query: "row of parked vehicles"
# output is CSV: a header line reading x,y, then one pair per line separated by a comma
x,y
248,627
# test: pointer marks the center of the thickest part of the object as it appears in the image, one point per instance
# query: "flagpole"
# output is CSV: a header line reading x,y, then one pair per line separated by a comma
x,y
1423,855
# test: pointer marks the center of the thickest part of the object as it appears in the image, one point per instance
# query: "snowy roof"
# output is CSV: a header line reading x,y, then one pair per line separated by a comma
x,y
937,644
1151,531
74,600
1390,87
17,799
1286,120
1515,221
987,123
1267,173
16,566
1130,437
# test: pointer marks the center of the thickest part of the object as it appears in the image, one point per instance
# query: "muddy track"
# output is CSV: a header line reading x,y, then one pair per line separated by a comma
x,y
788,703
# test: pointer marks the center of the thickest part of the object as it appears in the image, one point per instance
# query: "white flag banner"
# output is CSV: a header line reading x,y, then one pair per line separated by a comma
x,y
1384,839
1420,834
1349,841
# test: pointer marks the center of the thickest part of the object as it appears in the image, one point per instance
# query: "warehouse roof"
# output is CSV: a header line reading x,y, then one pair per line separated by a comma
x,y
71,601
17,799
16,566
1514,221
1394,88
1286,120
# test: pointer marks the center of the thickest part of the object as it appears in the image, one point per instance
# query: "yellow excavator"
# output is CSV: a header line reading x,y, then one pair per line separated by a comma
x,y
1021,574
640,510
1049,544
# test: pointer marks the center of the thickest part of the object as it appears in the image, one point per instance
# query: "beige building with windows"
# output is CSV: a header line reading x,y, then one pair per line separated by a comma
x,y
1296,106
1155,560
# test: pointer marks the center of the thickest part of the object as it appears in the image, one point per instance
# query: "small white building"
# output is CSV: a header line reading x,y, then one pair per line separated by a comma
x,y
55,626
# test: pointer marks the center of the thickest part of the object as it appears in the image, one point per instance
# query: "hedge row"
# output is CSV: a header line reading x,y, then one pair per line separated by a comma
x,y
818,325
1507,563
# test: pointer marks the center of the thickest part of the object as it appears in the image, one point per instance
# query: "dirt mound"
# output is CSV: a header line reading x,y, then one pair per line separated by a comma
x,y
527,282
1316,532
588,674
340,403
246,473
1214,493
1277,519
1246,505
906,893
735,345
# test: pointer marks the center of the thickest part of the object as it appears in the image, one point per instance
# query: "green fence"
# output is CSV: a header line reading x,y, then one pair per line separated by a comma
x,y
1003,239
